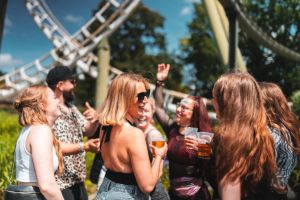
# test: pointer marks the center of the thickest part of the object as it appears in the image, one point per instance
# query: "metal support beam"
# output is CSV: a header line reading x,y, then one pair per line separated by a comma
x,y
217,28
103,71
3,5
233,37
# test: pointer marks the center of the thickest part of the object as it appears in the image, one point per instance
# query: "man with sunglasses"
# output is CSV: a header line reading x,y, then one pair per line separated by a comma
x,y
69,129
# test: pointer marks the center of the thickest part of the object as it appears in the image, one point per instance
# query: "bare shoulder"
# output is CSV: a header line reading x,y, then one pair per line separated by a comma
x,y
40,131
134,134
131,130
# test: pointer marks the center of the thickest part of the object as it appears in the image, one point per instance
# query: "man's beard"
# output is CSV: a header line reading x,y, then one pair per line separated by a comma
x,y
69,96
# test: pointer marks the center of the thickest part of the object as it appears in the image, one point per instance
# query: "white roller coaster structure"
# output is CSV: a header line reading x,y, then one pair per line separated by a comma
x,y
67,52
47,22
76,50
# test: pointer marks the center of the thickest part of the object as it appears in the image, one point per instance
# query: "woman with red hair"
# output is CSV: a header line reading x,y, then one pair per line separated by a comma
x,y
245,160
186,172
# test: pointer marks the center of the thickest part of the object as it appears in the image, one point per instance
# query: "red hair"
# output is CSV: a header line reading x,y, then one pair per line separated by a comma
x,y
245,148
200,118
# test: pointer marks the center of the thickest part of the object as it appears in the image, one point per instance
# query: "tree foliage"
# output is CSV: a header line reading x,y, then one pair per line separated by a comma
x,y
138,45
281,20
200,51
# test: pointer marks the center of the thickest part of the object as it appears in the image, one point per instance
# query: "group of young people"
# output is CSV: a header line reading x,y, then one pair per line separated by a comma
x,y
255,144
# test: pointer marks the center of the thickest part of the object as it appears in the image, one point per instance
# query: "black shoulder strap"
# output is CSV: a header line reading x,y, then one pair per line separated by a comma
x,y
106,133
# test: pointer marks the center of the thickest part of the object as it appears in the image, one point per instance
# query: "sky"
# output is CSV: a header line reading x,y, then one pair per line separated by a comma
x,y
23,41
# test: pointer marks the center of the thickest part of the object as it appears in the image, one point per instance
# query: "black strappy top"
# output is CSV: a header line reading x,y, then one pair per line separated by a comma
x,y
119,177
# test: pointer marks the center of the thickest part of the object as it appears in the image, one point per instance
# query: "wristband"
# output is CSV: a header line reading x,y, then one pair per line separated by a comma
x,y
81,147
160,83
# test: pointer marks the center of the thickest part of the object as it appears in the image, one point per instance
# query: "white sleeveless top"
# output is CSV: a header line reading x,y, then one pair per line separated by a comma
x,y
25,171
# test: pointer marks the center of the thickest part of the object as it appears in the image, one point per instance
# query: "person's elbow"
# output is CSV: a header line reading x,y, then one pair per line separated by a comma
x,y
147,189
46,188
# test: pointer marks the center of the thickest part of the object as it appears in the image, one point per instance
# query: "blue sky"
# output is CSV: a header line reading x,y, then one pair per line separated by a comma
x,y
23,41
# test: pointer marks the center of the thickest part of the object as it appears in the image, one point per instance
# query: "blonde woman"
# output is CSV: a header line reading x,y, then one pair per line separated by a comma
x,y
129,174
38,155
146,124
245,159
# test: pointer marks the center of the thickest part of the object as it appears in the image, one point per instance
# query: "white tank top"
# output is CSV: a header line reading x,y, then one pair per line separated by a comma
x,y
24,165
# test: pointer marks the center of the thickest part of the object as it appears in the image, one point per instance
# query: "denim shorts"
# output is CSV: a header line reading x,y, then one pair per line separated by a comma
x,y
110,190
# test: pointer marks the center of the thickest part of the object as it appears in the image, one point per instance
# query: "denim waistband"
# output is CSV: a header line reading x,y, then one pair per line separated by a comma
x,y
111,186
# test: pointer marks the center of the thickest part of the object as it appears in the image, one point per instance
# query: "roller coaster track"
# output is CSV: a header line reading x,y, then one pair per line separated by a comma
x,y
67,45
49,21
258,35
110,16
77,49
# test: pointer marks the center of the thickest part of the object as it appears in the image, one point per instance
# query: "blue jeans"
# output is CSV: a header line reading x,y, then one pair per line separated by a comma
x,y
110,190
159,192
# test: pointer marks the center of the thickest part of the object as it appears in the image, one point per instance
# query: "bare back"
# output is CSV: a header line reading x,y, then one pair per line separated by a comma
x,y
119,151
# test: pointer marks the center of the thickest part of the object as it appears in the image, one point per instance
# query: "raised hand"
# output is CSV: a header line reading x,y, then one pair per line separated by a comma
x,y
162,71
90,113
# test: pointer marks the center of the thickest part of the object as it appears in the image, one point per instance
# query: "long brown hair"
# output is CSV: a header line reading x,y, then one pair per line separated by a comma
x,y
200,118
280,116
244,149
28,104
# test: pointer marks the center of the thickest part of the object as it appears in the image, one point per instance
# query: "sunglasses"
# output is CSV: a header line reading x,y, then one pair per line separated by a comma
x,y
141,96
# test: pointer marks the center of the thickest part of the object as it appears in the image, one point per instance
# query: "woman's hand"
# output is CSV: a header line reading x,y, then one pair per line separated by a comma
x,y
162,71
191,143
92,145
162,152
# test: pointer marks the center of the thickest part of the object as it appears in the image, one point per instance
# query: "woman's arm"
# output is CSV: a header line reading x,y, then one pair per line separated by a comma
x,y
92,145
145,174
230,190
162,117
40,141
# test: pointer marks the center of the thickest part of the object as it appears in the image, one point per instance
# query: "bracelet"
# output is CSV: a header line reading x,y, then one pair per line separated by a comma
x,y
160,83
81,147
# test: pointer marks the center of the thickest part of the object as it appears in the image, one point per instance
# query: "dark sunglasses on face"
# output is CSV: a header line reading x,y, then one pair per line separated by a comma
x,y
141,96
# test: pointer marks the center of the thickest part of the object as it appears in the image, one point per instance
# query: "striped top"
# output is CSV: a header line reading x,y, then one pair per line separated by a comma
x,y
286,158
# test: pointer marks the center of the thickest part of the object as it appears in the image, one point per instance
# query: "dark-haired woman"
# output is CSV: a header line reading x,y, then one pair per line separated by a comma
x,y
186,172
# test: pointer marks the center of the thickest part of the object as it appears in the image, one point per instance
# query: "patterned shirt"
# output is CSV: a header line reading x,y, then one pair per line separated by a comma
x,y
285,156
69,128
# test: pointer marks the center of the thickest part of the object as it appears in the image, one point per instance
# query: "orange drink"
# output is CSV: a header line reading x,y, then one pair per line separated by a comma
x,y
205,151
157,141
158,144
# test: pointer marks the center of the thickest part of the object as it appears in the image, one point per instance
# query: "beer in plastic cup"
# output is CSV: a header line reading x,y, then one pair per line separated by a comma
x,y
205,150
158,141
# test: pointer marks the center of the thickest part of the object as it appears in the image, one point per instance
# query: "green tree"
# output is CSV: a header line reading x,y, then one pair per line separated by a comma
x,y
201,53
138,45
280,19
